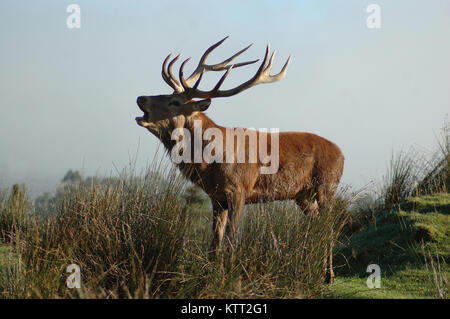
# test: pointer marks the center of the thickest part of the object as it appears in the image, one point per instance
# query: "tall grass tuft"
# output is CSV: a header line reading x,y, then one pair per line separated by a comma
x,y
437,274
409,174
124,236
401,179
14,212
141,238
436,178
278,253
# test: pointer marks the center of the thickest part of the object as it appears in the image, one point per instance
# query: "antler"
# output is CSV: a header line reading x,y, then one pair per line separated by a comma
x,y
184,85
168,76
261,76
202,67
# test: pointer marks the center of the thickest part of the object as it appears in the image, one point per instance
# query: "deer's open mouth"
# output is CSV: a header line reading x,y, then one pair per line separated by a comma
x,y
143,119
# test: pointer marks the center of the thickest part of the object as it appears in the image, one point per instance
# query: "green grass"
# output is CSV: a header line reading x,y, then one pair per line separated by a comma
x,y
134,229
405,284
428,204
4,252
6,260
403,241
141,237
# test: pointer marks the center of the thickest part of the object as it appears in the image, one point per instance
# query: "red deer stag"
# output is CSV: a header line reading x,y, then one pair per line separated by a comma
x,y
307,167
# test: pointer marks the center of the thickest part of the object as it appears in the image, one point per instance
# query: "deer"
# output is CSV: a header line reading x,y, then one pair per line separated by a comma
x,y
309,166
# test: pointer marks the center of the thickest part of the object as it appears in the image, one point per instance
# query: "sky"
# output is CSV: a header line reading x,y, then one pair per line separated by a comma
x,y
67,96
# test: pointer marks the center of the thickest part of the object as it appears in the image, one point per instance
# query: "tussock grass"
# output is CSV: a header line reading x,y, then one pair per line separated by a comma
x,y
278,254
149,237
416,174
121,235
14,212
410,174
438,275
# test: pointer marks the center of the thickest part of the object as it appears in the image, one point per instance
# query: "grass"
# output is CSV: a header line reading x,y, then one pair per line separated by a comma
x,y
14,212
404,227
406,284
7,258
401,241
137,238
5,251
142,238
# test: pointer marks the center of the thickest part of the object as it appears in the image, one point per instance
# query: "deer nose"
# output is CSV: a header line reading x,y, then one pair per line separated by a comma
x,y
141,100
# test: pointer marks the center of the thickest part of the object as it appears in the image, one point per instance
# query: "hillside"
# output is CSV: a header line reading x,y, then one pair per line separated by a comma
x,y
410,243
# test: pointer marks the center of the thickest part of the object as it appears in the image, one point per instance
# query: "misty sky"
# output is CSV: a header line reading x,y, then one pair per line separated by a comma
x,y
67,96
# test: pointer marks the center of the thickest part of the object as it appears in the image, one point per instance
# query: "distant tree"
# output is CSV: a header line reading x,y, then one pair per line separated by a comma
x,y
44,204
47,203
72,177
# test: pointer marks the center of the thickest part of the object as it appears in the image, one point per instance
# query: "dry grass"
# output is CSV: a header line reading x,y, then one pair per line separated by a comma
x,y
138,237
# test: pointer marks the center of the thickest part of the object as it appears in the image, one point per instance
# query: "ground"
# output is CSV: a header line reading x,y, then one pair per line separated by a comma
x,y
402,241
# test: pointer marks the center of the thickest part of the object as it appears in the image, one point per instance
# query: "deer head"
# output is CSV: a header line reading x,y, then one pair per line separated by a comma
x,y
166,112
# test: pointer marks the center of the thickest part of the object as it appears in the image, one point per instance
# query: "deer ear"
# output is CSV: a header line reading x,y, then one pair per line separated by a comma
x,y
201,105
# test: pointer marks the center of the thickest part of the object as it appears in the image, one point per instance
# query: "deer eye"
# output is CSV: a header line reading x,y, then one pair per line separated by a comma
x,y
176,103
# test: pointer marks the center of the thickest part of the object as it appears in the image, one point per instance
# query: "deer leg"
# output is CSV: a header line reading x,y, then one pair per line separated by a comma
x,y
305,199
220,216
236,207
324,196
328,262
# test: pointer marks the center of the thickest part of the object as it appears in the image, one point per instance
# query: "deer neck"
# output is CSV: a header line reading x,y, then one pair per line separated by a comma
x,y
198,117
193,170
164,130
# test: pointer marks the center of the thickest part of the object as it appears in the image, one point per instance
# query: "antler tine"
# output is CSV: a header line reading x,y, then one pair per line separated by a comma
x,y
269,66
182,80
164,73
223,65
282,73
198,81
223,78
202,66
170,69
210,49
244,63
262,67
168,76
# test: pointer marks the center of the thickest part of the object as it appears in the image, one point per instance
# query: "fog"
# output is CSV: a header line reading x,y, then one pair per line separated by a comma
x,y
67,96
